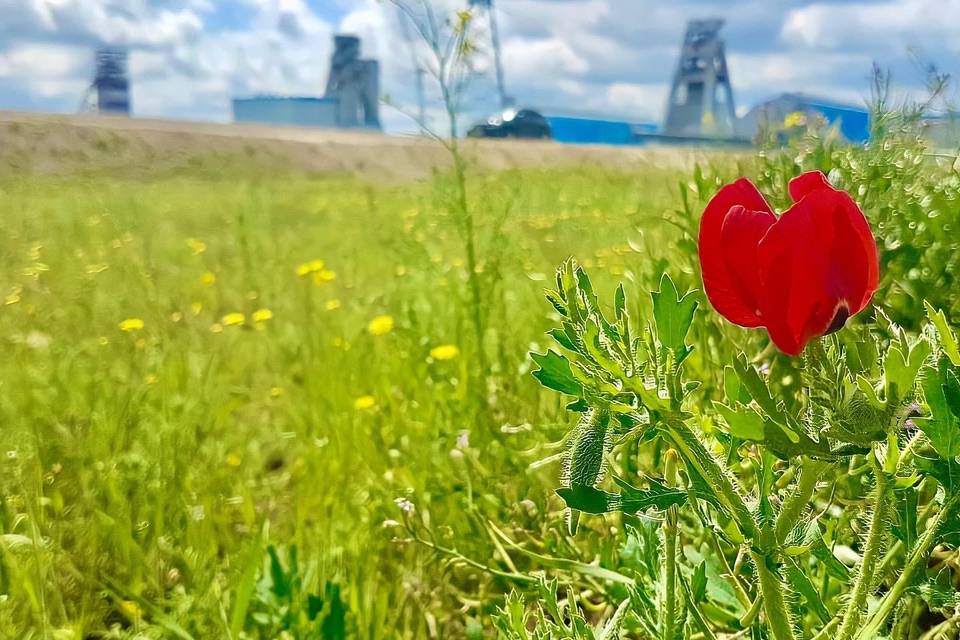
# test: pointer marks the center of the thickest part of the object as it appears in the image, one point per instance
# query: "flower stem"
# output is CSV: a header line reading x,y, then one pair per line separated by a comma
x,y
670,535
918,557
797,501
774,606
853,614
694,453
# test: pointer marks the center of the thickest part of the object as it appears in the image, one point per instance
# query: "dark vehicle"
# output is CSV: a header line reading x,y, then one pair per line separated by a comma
x,y
524,123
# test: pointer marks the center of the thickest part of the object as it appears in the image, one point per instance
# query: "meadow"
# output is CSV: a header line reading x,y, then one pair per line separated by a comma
x,y
245,402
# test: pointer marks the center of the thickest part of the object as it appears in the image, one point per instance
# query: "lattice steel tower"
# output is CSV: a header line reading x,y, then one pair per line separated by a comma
x,y
111,84
701,98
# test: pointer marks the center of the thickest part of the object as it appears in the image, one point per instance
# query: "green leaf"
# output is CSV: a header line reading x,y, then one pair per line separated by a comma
x,y
554,373
631,500
744,423
732,387
834,567
673,315
562,338
943,426
619,302
905,501
698,583
757,388
901,364
801,583
948,341
718,588
944,471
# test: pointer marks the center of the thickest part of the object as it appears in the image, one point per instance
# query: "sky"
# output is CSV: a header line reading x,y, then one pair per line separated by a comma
x,y
611,58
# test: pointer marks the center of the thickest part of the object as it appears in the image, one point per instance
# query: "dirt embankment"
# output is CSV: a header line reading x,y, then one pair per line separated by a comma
x,y
60,144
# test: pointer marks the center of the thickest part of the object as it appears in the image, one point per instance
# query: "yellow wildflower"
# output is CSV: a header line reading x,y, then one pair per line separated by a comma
x,y
332,305
233,319
216,327
381,325
208,279
176,316
445,352
262,315
131,324
324,276
196,308
233,460
794,119
130,609
276,392
307,268
364,402
197,246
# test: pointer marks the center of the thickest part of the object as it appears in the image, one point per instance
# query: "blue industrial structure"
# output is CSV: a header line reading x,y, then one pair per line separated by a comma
x,y
289,111
790,109
581,130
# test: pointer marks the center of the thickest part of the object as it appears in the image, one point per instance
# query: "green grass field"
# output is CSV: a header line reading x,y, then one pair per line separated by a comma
x,y
221,392
146,471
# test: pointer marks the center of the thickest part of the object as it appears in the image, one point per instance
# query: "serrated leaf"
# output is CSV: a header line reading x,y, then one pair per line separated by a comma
x,y
744,423
905,502
673,315
555,373
631,500
901,364
757,388
698,583
733,389
948,341
834,567
562,339
944,471
619,302
801,583
942,427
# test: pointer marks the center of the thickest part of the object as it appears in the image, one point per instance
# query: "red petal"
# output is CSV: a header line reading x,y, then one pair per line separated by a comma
x,y
741,233
807,182
819,262
720,285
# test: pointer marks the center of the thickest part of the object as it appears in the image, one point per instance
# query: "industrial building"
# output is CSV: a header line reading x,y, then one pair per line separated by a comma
x,y
286,111
352,97
109,92
586,130
794,109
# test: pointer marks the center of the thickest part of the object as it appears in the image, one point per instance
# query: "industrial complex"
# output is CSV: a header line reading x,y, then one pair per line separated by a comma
x,y
700,108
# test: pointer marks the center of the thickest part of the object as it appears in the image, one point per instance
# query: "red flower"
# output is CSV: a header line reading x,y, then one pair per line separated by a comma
x,y
800,275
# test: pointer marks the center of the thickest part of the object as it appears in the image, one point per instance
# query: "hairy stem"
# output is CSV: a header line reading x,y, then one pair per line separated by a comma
x,y
774,605
796,502
670,535
917,558
853,614
694,453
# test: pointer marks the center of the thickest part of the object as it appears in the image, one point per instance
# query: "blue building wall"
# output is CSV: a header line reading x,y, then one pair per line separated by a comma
x,y
576,130
854,122
300,112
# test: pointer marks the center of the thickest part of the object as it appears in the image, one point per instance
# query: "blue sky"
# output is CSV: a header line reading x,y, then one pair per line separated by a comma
x,y
605,57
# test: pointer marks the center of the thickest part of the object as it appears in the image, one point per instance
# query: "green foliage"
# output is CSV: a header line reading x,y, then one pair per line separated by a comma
x,y
837,414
